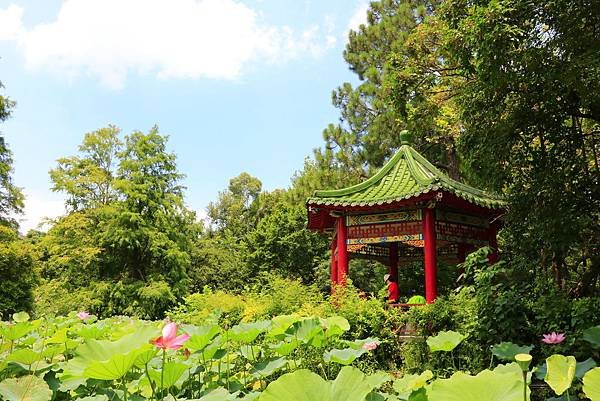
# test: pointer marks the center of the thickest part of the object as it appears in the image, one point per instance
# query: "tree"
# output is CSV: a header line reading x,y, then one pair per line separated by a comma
x,y
529,102
89,179
281,244
235,212
128,238
11,197
374,112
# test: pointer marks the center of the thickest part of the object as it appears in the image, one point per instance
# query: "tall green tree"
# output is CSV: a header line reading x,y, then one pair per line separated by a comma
x,y
529,103
128,238
11,196
374,112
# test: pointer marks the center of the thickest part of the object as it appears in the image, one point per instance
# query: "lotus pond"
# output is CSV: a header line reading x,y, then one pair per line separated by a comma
x,y
288,358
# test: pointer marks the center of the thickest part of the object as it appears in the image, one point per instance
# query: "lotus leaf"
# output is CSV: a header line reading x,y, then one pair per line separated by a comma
x,y
307,331
219,394
172,372
591,384
247,332
285,348
486,386
24,356
20,317
18,330
343,356
583,367
560,372
592,336
409,383
267,367
303,385
335,326
279,325
25,388
506,351
445,341
201,336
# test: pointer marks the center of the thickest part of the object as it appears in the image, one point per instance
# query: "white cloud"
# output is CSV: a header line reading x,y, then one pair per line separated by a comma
x,y
11,22
38,207
359,17
110,39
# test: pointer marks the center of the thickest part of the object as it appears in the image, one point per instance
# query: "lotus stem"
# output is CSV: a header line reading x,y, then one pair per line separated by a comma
x,y
524,385
150,381
162,375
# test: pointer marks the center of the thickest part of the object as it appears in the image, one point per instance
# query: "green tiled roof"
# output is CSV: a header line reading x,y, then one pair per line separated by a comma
x,y
406,175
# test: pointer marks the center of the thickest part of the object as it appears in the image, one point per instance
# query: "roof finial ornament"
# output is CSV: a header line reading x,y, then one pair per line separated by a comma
x,y
405,137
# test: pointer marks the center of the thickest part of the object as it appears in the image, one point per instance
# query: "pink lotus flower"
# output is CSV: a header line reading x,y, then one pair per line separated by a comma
x,y
169,338
370,346
553,338
83,315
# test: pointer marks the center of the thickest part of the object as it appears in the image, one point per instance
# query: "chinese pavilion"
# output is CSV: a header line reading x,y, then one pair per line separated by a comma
x,y
408,210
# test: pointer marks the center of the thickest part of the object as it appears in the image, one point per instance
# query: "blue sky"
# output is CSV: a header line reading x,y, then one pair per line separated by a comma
x,y
237,85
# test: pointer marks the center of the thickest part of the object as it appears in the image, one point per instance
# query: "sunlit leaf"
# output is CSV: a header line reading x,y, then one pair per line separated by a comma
x,y
20,317
560,372
486,386
25,388
591,384
445,341
343,356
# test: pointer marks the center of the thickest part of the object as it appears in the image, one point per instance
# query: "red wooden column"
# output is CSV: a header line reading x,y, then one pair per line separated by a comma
x,y
342,251
393,267
493,256
334,275
430,255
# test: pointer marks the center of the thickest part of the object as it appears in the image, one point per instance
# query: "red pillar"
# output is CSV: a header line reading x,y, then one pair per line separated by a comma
x,y
493,256
430,255
393,267
342,251
334,274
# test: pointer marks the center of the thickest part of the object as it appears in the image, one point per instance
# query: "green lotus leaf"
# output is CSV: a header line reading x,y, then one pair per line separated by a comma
x,y
486,386
171,372
301,385
358,344
145,356
247,332
20,317
583,367
409,383
59,337
114,368
445,341
285,348
592,336
18,330
506,351
250,352
377,379
416,300
279,325
25,388
24,356
560,372
218,394
335,326
343,356
107,360
200,336
307,331
591,384
350,385
269,366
